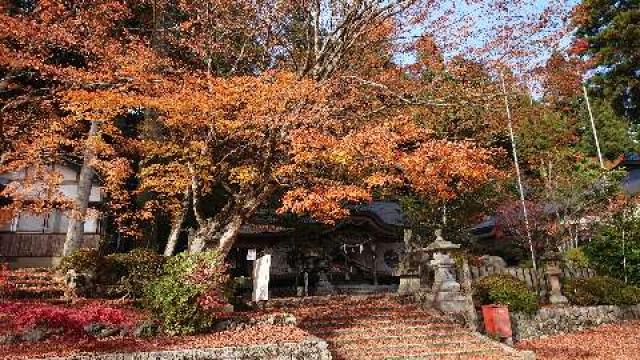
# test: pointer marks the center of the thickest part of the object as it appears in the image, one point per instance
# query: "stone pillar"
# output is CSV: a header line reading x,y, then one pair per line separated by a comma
x,y
409,271
409,267
471,316
554,272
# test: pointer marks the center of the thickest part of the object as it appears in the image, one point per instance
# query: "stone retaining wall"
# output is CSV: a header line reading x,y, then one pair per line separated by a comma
x,y
313,349
554,320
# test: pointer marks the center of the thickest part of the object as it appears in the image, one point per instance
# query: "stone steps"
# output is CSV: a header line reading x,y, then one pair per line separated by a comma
x,y
382,327
34,283
435,330
420,351
406,338
344,323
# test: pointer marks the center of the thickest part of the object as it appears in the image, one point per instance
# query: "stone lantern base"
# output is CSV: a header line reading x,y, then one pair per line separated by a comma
x,y
451,302
409,284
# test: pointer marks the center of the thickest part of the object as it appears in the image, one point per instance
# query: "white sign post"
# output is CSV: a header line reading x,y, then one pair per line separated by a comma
x,y
261,269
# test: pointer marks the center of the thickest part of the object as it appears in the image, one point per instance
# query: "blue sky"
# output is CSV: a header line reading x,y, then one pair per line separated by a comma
x,y
481,22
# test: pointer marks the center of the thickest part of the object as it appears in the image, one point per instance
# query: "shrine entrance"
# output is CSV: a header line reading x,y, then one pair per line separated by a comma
x,y
359,255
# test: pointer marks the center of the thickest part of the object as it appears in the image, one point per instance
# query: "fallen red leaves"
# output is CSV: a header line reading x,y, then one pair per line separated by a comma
x,y
265,334
71,319
18,316
606,342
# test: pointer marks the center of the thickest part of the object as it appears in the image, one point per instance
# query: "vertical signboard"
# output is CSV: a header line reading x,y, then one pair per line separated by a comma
x,y
261,269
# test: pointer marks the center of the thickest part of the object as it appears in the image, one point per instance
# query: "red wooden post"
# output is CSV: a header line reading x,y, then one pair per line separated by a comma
x,y
496,320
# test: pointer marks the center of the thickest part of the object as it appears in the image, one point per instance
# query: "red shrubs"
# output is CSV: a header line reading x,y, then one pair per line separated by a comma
x,y
212,301
72,320
210,274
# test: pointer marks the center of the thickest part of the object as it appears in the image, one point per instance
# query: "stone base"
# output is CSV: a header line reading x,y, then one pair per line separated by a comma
x,y
364,289
558,300
324,287
409,284
451,302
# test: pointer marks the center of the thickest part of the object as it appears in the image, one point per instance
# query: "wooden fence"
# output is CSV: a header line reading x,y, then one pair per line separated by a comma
x,y
39,245
536,280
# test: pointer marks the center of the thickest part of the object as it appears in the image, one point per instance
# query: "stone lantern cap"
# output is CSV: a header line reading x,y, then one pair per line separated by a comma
x,y
552,261
440,244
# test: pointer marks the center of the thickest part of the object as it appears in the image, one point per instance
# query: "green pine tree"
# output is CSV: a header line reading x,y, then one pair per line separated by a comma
x,y
615,134
612,31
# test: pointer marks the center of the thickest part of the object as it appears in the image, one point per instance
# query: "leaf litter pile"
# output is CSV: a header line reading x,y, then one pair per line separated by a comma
x,y
606,342
68,343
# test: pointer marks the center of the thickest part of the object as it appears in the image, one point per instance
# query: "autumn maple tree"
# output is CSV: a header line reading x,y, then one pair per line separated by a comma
x,y
296,99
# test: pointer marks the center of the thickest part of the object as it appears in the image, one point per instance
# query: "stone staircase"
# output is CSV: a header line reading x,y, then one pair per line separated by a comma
x,y
382,327
34,283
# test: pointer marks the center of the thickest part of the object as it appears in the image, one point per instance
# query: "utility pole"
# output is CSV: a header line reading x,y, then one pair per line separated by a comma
x,y
593,126
514,153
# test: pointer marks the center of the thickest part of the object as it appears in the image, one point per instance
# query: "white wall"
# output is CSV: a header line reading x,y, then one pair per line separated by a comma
x,y
56,221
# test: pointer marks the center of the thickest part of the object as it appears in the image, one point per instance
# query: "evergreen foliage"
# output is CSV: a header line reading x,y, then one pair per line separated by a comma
x,y
601,290
610,31
190,294
505,290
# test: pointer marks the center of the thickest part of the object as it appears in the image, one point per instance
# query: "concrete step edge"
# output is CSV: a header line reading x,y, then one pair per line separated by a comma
x,y
412,345
400,337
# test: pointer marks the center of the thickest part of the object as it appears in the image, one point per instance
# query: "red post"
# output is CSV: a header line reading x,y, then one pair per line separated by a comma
x,y
496,320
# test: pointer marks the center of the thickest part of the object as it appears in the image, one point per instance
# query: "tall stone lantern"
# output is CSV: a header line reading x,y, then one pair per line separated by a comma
x,y
446,289
552,262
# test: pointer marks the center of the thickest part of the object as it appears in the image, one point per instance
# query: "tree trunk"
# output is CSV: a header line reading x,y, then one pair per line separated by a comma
x,y
229,234
219,233
75,230
222,231
178,223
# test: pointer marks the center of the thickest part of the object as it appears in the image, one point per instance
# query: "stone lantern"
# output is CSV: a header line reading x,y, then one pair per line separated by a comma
x,y
445,289
553,270
443,265
323,286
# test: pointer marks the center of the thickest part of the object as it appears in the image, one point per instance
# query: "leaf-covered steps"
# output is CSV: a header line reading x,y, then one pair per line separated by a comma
x,y
37,283
381,327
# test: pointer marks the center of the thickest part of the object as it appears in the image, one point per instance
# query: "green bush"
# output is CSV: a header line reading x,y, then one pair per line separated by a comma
x,y
82,261
600,290
505,290
190,293
576,258
133,270
128,272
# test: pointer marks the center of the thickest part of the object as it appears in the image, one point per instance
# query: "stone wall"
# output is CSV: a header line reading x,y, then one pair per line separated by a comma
x,y
536,281
313,349
553,320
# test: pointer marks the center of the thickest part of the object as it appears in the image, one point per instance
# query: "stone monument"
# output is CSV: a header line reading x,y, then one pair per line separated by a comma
x,y
409,267
261,272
